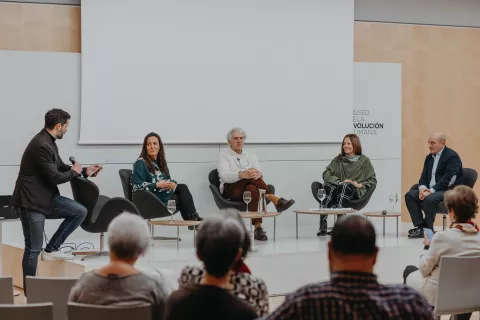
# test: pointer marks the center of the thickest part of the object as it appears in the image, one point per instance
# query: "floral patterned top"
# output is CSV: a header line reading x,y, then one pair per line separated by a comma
x,y
245,286
142,179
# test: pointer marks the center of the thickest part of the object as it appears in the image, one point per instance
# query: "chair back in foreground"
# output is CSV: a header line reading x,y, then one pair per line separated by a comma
x,y
36,311
458,289
6,289
78,311
54,290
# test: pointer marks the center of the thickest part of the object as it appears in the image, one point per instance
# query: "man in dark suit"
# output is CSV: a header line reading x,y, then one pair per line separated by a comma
x,y
36,196
442,170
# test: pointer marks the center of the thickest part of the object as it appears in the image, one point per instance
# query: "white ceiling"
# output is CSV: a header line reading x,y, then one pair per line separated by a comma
x,y
462,13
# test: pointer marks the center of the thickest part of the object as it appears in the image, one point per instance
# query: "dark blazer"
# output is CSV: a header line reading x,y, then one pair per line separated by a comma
x,y
448,166
41,170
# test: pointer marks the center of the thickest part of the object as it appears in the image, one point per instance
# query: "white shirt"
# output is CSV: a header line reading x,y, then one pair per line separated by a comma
x,y
230,164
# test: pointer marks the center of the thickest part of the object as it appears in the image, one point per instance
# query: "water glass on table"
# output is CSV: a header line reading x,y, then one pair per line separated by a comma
x,y
171,207
247,197
393,197
321,196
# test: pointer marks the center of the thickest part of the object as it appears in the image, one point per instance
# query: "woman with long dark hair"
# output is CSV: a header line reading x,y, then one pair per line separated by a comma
x,y
150,172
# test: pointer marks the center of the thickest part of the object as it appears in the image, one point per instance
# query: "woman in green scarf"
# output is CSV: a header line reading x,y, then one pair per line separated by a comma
x,y
347,177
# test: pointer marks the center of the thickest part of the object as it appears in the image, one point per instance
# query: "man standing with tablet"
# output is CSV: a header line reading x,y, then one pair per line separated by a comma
x,y
36,196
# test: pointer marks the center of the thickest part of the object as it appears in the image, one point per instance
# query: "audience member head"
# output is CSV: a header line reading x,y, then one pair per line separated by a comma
x,y
352,246
219,244
436,142
56,122
247,242
351,145
236,139
152,149
128,237
462,204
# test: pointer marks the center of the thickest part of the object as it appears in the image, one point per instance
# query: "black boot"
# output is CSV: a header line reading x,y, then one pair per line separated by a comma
x,y
194,217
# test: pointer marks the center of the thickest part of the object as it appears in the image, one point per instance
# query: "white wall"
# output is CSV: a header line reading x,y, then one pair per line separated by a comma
x,y
34,82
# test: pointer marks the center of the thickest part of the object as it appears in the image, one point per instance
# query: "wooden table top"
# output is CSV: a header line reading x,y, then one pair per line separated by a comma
x,y
379,214
326,211
175,223
258,215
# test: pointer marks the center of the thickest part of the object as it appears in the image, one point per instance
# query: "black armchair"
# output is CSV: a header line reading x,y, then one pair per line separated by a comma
x,y
6,211
101,209
148,204
469,178
220,201
357,204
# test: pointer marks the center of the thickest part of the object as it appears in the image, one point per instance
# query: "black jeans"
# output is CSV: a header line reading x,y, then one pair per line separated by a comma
x,y
185,202
429,205
33,225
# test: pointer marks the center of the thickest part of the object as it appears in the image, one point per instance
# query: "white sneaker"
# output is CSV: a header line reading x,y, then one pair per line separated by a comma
x,y
56,255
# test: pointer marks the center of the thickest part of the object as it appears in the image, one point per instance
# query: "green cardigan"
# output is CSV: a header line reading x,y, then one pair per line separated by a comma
x,y
142,179
342,168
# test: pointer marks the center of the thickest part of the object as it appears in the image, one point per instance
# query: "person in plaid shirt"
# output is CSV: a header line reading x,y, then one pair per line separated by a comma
x,y
353,291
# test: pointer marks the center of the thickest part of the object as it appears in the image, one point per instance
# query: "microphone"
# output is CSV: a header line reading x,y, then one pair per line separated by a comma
x,y
72,159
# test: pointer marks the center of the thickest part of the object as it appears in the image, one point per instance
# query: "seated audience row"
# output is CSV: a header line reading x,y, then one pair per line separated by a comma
x,y
223,288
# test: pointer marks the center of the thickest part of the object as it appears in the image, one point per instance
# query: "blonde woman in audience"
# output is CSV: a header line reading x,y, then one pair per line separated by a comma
x,y
119,283
244,285
219,246
461,239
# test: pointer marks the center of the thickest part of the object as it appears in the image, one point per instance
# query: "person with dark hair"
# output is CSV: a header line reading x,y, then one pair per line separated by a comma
x,y
460,240
219,245
347,177
244,285
150,172
119,283
442,170
353,291
36,196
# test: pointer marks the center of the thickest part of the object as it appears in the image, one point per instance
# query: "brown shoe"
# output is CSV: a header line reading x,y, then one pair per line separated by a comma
x,y
283,204
260,234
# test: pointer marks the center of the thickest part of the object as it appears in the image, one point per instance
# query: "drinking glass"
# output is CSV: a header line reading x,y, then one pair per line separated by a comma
x,y
393,197
247,197
171,207
321,196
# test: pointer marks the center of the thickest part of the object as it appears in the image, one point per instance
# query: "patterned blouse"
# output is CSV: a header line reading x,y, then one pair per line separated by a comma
x,y
245,286
142,179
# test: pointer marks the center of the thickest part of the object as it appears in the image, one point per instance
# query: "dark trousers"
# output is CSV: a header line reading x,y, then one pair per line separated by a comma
x,y
234,192
429,205
33,225
409,269
184,201
336,196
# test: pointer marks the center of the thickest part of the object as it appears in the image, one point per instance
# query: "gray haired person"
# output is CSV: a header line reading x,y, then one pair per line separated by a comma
x,y
245,286
119,283
219,245
239,172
